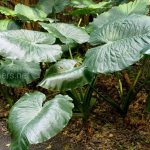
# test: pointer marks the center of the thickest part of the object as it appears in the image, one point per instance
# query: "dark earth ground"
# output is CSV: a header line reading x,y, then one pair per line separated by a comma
x,y
106,130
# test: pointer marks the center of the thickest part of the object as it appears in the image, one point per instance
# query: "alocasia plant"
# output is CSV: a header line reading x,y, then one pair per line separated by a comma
x,y
118,39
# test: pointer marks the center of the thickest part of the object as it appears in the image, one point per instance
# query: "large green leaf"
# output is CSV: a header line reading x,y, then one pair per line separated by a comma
x,y
48,6
124,40
8,24
7,11
64,76
31,121
29,46
124,10
88,7
18,73
67,33
30,13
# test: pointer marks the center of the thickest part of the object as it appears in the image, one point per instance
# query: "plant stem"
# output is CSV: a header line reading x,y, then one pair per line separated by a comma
x,y
75,100
80,20
70,52
110,102
131,92
87,99
121,89
81,94
77,115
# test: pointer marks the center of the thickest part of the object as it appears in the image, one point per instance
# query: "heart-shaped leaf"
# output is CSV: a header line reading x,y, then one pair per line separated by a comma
x,y
29,46
31,121
18,73
124,10
64,76
125,39
67,33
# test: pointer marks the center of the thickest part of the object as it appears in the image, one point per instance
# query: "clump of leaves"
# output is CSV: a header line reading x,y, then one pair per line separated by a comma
x,y
119,38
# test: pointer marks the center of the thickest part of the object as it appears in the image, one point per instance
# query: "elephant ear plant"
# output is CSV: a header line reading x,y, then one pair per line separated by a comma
x,y
20,65
118,39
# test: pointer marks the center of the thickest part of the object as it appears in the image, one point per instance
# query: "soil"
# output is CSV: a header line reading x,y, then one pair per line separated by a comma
x,y
105,130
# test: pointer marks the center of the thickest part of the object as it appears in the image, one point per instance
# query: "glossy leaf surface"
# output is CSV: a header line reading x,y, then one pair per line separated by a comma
x,y
29,46
64,76
124,40
32,122
67,33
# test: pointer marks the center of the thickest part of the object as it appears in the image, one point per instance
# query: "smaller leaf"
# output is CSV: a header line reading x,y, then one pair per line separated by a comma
x,y
64,76
61,66
7,11
67,33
